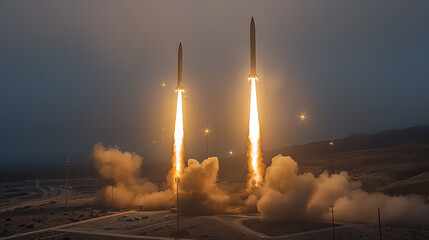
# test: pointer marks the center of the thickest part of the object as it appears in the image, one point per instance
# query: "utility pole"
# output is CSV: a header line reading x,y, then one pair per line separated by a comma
x,y
67,179
177,180
379,222
111,203
333,222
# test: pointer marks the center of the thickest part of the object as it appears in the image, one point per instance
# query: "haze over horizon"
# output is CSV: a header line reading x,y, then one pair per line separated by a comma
x,y
77,73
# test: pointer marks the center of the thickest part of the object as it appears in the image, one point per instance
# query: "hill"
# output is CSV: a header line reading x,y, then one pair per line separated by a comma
x,y
393,161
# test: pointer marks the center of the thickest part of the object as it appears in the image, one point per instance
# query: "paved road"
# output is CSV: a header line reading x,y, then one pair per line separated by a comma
x,y
44,192
66,228
238,224
66,225
113,234
46,198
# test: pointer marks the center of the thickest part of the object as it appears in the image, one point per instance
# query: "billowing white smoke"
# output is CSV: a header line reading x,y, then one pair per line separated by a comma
x,y
285,195
289,196
199,191
122,169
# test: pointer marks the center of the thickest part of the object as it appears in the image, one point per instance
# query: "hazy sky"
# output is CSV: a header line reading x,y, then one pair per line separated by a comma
x,y
74,73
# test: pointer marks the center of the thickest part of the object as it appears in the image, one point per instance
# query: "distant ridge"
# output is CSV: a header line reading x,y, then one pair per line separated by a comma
x,y
354,142
234,168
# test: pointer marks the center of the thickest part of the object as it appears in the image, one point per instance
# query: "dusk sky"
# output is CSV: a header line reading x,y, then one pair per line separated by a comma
x,y
75,73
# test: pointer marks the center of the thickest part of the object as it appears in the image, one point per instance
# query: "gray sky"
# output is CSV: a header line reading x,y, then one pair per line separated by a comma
x,y
74,73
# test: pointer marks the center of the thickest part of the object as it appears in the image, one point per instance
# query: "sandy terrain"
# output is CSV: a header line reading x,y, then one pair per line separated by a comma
x,y
278,229
41,216
81,221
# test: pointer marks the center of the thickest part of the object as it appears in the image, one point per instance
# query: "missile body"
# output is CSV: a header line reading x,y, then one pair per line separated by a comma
x,y
180,67
252,50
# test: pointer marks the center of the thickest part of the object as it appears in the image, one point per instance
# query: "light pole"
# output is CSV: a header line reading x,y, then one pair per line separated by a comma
x,y
331,145
177,181
379,223
206,132
333,223
229,168
67,179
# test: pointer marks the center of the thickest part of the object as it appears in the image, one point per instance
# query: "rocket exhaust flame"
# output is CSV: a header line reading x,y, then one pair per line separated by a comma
x,y
178,149
254,149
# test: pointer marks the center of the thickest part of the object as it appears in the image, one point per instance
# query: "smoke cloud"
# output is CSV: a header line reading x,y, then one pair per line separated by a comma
x,y
285,195
122,169
289,196
202,194
199,192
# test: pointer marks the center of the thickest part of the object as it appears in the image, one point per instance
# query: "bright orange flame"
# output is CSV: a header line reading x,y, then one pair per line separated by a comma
x,y
254,149
178,149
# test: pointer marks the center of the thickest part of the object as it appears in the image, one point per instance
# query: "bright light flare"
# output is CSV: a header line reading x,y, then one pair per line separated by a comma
x,y
254,149
302,116
178,150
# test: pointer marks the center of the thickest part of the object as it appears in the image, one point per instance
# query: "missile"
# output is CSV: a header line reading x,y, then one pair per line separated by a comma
x,y
180,67
252,50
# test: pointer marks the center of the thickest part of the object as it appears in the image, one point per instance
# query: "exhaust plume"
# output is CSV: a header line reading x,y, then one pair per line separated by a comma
x,y
254,153
177,162
121,170
285,195
199,192
289,196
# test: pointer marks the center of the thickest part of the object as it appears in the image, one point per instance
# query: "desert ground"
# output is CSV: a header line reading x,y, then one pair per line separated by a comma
x,y
43,215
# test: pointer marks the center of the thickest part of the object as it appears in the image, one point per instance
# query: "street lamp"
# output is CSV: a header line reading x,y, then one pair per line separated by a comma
x,y
67,179
177,181
331,145
206,132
